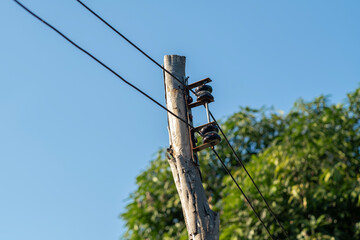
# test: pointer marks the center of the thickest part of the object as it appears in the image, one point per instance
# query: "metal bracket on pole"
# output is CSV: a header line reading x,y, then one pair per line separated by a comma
x,y
209,131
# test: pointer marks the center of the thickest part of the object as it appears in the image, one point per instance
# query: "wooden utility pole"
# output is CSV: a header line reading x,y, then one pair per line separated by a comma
x,y
201,222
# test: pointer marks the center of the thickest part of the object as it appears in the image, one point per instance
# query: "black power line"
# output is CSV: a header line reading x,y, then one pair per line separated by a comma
x,y
247,199
146,95
134,45
247,173
226,139
102,64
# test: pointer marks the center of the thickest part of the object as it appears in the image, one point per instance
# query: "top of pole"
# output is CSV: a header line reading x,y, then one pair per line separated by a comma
x,y
176,65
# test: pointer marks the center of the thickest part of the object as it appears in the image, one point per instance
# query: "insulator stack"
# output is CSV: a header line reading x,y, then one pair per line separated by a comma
x,y
203,94
209,131
210,134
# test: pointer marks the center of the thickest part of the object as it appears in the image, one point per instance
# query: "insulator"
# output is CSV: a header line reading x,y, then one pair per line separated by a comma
x,y
189,99
208,128
204,87
204,96
212,137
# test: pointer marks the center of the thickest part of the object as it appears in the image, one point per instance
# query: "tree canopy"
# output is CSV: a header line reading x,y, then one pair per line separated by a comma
x,y
306,163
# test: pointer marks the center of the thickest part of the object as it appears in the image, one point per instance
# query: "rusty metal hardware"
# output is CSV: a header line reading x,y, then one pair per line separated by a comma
x,y
189,99
202,92
209,134
197,129
199,83
209,131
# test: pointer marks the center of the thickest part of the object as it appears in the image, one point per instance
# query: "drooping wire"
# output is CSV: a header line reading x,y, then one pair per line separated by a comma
x,y
246,198
102,64
227,141
146,95
248,174
134,45
139,90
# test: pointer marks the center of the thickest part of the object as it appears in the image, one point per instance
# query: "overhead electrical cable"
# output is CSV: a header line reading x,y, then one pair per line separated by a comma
x,y
134,45
146,95
248,174
102,64
246,198
226,139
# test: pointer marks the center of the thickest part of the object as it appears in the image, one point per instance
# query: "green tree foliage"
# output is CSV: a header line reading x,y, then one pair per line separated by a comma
x,y
306,163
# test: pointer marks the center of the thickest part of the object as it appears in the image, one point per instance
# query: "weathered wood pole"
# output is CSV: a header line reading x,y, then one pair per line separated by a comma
x,y
201,222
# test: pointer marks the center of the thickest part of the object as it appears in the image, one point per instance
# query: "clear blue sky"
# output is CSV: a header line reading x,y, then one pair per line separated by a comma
x,y
73,137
